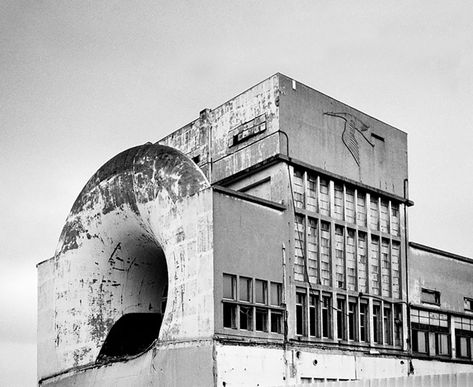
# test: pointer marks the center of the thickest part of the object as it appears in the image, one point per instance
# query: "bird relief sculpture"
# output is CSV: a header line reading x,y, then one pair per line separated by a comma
x,y
351,126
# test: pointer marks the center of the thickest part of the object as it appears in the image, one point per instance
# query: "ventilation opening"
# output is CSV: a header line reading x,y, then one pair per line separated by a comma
x,y
144,290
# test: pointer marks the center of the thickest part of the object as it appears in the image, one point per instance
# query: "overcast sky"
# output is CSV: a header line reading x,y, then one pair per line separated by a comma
x,y
82,80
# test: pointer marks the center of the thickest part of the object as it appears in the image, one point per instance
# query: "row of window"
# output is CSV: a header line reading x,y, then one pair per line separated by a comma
x,y
316,193
429,296
252,304
323,315
368,265
431,334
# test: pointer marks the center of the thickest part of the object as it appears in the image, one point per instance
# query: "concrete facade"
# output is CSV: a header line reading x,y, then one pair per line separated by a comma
x,y
264,243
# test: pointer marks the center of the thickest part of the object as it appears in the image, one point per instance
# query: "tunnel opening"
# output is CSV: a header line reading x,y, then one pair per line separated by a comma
x,y
144,287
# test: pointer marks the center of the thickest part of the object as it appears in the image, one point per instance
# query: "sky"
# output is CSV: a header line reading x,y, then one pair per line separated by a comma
x,y
81,81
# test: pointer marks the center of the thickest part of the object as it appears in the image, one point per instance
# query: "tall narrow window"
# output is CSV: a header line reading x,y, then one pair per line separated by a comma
x,y
352,313
229,286
395,219
326,316
340,257
298,188
313,315
397,325
384,221
341,319
338,201
325,253
276,321
362,263
374,213
377,324
276,298
351,260
312,247
324,197
388,324
300,314
229,315
299,231
363,320
395,262
374,264
311,193
246,318
261,292
261,320
229,309
385,268
350,205
361,209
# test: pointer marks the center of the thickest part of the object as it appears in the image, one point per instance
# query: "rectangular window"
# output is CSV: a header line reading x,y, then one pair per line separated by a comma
x,y
463,346
385,268
428,296
384,220
398,325
246,289
374,265
325,253
300,314
338,201
388,324
361,209
229,315
312,247
311,193
339,257
374,213
298,188
276,321
261,292
350,205
395,219
276,298
351,260
363,320
246,318
324,197
352,313
313,315
377,324
362,263
442,344
395,266
261,320
326,316
229,286
341,319
420,341
299,231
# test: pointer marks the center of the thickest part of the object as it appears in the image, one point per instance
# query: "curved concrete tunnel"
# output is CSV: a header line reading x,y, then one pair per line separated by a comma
x,y
132,243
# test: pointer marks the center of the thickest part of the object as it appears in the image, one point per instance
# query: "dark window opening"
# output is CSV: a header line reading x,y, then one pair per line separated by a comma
x,y
196,159
364,322
388,337
326,313
261,320
276,322
300,315
132,334
463,346
398,325
468,303
352,307
246,318
377,333
229,316
313,318
341,319
420,341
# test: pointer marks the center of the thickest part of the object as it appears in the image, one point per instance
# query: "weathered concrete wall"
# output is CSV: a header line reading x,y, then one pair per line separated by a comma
x,y
145,202
180,364
442,272
266,366
252,115
347,142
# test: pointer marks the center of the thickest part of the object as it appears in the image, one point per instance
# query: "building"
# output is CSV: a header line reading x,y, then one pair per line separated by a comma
x,y
264,243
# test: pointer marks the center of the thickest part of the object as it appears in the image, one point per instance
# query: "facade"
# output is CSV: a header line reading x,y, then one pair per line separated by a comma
x,y
264,243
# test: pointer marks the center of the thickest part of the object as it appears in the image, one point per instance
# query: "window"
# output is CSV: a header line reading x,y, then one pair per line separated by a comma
x,y
430,328
361,209
261,292
362,263
338,201
276,321
298,188
325,270
352,313
397,325
276,294
300,314
339,257
245,289
374,264
246,318
364,320
377,324
463,346
261,319
313,315
229,286
299,233
463,337
388,324
341,319
420,342
442,344
428,296
326,316
229,315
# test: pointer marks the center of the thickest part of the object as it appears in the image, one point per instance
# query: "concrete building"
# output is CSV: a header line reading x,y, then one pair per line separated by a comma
x,y
264,243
